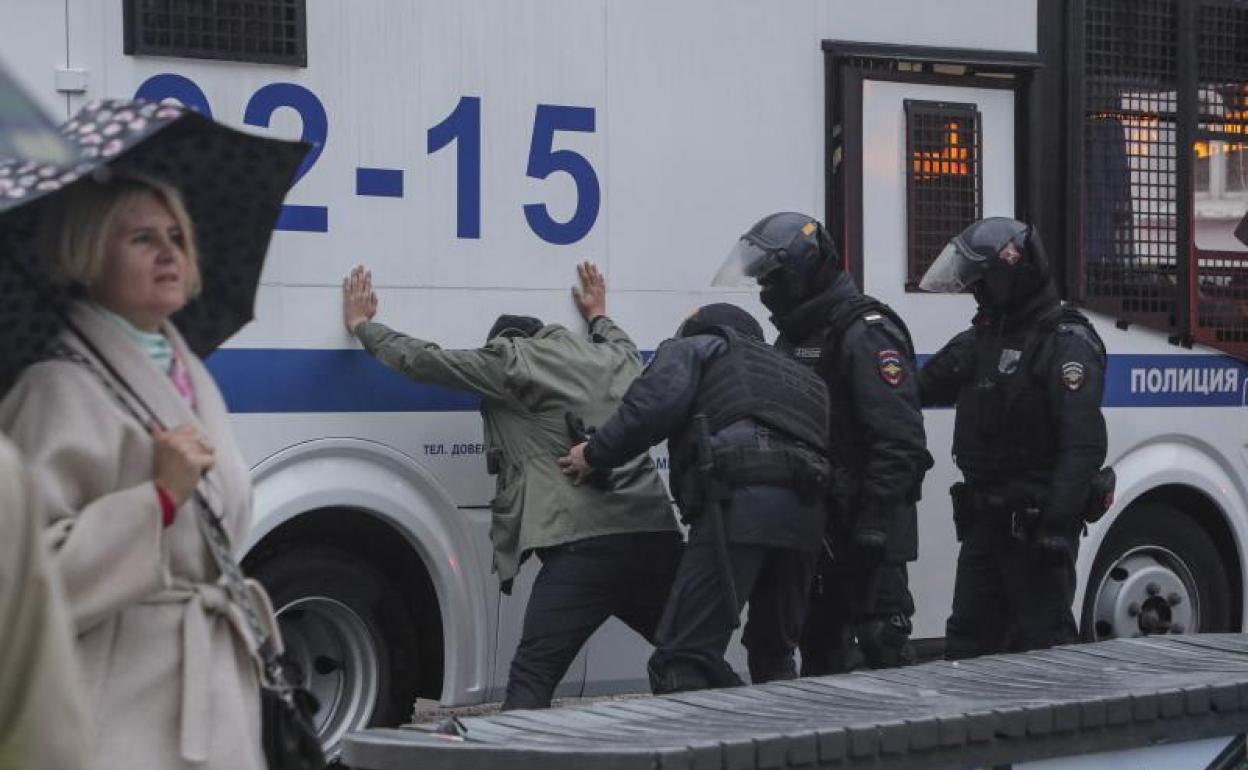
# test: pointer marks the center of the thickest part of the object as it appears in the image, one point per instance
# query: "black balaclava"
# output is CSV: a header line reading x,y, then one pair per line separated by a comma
x,y
805,259
1007,287
514,326
720,314
1001,261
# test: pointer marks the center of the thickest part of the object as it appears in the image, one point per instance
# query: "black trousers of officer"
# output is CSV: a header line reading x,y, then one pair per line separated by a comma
x,y
859,615
1008,596
696,627
580,585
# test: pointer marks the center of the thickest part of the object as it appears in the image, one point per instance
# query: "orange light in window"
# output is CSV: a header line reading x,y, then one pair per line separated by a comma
x,y
950,160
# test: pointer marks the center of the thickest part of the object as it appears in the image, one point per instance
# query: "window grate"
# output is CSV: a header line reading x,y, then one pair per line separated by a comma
x,y
263,31
1134,267
1220,209
1129,228
944,179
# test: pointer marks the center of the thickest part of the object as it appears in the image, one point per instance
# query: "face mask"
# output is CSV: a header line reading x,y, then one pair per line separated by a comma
x,y
782,291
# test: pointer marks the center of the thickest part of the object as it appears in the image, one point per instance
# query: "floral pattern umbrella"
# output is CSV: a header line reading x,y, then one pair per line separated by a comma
x,y
233,183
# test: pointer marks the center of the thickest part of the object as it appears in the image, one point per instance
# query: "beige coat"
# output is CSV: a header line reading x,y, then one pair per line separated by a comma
x,y
42,716
169,676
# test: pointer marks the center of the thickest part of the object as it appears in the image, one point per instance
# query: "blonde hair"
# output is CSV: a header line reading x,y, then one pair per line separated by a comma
x,y
77,228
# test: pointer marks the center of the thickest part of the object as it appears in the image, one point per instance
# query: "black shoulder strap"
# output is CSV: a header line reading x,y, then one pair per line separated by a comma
x,y
1069,320
868,309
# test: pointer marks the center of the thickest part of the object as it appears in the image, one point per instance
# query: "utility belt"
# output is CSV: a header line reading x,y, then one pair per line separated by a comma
x,y
801,470
1025,504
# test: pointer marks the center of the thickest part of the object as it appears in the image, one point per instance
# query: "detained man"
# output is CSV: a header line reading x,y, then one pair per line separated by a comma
x,y
607,548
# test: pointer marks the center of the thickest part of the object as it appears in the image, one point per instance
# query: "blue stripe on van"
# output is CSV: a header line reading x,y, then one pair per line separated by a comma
x,y
259,380
276,380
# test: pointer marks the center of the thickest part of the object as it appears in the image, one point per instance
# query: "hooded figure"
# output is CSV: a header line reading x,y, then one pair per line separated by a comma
x,y
1027,380
861,606
745,431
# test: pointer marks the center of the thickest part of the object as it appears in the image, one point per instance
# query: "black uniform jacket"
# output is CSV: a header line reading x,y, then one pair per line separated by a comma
x,y
1028,389
659,405
877,426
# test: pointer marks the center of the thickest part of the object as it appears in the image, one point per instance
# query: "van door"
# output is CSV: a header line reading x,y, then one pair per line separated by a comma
x,y
934,157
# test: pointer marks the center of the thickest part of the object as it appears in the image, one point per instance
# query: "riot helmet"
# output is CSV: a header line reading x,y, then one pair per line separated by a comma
x,y
707,317
789,255
1000,260
514,326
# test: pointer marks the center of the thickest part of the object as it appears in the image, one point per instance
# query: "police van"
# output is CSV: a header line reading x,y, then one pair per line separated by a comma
x,y
471,152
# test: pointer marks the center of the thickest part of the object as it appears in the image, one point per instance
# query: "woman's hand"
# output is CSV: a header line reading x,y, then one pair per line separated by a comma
x,y
591,296
182,457
359,302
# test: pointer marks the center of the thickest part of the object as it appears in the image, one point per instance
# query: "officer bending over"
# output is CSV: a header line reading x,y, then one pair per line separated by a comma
x,y
607,548
746,433
1029,438
860,605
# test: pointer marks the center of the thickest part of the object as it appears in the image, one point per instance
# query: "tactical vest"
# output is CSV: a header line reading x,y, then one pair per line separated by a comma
x,y
752,381
1004,431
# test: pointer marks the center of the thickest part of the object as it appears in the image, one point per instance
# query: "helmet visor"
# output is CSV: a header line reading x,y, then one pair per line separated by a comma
x,y
745,265
955,270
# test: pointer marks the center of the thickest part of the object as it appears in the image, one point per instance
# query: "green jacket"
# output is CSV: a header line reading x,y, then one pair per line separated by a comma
x,y
527,386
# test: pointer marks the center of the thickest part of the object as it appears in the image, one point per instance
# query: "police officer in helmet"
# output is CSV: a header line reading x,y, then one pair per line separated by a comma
x,y
745,430
861,605
1027,380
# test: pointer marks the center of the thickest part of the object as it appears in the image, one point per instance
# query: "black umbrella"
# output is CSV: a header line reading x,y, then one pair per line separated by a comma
x,y
233,184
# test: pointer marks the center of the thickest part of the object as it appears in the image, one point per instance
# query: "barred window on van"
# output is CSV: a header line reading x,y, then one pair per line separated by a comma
x,y
262,31
944,179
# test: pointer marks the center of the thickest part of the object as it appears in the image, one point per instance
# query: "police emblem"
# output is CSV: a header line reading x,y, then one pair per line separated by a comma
x,y
890,367
1072,375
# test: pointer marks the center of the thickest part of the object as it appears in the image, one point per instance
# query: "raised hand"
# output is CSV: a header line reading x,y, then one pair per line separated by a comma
x,y
359,302
591,296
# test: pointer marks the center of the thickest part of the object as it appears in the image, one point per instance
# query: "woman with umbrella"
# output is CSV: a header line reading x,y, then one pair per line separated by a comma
x,y
128,435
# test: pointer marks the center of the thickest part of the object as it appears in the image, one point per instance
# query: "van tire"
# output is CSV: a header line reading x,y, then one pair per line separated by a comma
x,y
348,625
1158,571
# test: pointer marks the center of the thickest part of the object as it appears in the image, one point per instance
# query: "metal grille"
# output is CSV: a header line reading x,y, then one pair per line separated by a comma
x,y
1129,229
1220,208
265,31
944,179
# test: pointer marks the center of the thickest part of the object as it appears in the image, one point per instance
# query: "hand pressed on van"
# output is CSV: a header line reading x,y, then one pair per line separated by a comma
x,y
359,301
591,296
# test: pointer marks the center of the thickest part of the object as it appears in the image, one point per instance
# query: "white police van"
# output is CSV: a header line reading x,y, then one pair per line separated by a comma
x,y
470,152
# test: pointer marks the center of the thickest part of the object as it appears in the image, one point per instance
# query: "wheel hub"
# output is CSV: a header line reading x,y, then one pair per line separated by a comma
x,y
332,648
1149,590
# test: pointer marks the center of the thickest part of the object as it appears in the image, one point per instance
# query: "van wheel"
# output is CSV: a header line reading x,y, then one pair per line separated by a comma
x,y
1158,572
349,632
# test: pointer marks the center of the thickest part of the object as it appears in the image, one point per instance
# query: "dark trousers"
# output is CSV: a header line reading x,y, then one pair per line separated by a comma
x,y
580,585
1007,596
859,615
696,625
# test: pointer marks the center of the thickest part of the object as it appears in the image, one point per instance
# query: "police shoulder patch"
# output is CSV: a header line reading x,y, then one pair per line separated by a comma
x,y
1072,375
891,370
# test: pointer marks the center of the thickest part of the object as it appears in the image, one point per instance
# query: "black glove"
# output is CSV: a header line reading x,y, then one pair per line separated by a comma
x,y
1051,538
869,535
